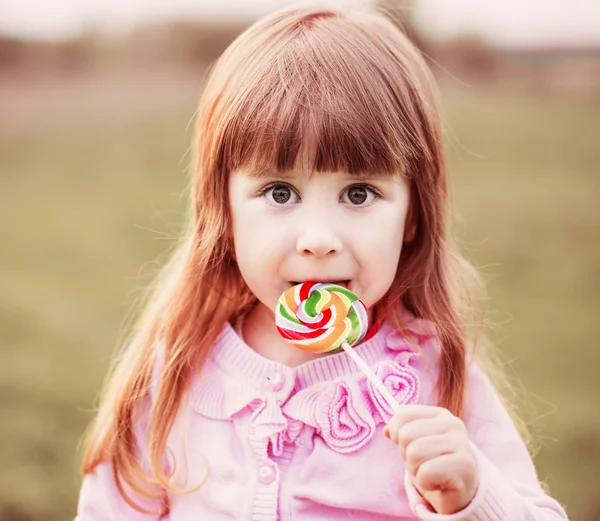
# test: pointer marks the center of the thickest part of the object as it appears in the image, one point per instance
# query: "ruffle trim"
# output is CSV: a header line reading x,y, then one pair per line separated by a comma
x,y
344,412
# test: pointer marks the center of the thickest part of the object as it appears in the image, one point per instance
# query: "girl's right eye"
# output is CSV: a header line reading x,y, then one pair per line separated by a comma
x,y
280,195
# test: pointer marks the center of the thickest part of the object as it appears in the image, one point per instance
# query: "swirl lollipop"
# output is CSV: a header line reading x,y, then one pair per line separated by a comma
x,y
322,317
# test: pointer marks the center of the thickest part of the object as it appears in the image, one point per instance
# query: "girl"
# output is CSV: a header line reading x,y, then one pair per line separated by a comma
x,y
318,158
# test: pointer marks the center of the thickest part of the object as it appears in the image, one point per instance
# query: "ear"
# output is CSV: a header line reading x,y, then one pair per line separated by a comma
x,y
410,225
410,231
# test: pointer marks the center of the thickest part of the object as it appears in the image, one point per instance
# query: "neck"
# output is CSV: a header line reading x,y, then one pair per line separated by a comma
x,y
260,334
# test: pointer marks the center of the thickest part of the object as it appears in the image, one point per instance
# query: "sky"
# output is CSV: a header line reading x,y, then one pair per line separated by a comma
x,y
509,23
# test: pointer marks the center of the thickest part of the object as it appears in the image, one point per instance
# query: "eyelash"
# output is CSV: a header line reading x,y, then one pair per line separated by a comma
x,y
378,195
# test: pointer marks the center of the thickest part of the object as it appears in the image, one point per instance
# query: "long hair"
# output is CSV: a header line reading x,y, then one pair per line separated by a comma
x,y
312,89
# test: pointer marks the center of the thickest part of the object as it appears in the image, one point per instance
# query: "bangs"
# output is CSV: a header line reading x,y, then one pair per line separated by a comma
x,y
323,99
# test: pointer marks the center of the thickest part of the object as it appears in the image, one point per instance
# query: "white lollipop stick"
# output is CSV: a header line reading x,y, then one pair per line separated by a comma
x,y
372,377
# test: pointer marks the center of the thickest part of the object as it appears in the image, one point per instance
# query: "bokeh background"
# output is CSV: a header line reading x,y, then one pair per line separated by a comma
x,y
96,111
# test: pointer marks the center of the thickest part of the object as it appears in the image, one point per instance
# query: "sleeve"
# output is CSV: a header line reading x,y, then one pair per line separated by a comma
x,y
509,488
100,499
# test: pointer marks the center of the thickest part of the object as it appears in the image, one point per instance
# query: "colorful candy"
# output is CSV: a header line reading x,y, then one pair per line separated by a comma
x,y
320,317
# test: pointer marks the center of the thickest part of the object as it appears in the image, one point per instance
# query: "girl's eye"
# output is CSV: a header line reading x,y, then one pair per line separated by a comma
x,y
281,195
358,195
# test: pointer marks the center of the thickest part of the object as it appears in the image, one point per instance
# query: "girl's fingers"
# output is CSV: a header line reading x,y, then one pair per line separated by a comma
x,y
392,428
414,422
415,412
409,413
446,472
422,450
418,429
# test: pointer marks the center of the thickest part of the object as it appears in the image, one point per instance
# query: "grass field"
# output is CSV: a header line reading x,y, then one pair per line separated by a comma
x,y
88,203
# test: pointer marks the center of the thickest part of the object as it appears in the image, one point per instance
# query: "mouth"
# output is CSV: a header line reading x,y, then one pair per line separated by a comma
x,y
344,283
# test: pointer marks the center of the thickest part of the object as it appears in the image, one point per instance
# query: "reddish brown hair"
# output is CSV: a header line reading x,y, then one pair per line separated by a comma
x,y
313,89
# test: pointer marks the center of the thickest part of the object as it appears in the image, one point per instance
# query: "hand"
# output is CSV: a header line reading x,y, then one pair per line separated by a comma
x,y
435,447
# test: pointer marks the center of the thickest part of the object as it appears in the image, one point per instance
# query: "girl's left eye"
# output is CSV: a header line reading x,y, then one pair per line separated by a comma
x,y
359,195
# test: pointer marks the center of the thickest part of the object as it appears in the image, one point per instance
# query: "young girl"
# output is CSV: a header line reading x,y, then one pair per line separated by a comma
x,y
318,158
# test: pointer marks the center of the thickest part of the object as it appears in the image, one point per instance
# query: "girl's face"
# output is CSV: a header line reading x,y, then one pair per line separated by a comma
x,y
291,228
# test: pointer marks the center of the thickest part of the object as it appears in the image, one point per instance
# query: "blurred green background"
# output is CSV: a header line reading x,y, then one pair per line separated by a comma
x,y
94,154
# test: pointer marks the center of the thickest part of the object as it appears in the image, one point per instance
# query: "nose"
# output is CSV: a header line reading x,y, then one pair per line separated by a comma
x,y
318,238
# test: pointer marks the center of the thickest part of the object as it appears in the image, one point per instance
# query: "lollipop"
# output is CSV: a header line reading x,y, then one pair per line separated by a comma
x,y
322,317
319,317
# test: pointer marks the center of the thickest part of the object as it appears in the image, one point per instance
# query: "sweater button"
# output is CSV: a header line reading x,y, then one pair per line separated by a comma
x,y
277,380
266,474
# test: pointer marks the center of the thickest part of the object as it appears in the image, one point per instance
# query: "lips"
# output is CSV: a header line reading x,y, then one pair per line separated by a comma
x,y
344,283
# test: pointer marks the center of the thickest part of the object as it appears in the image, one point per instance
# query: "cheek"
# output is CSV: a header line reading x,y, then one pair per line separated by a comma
x,y
381,239
259,247
381,249
259,260
253,252
381,271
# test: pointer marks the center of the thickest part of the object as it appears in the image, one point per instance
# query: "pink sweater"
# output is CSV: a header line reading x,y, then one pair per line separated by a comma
x,y
306,443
